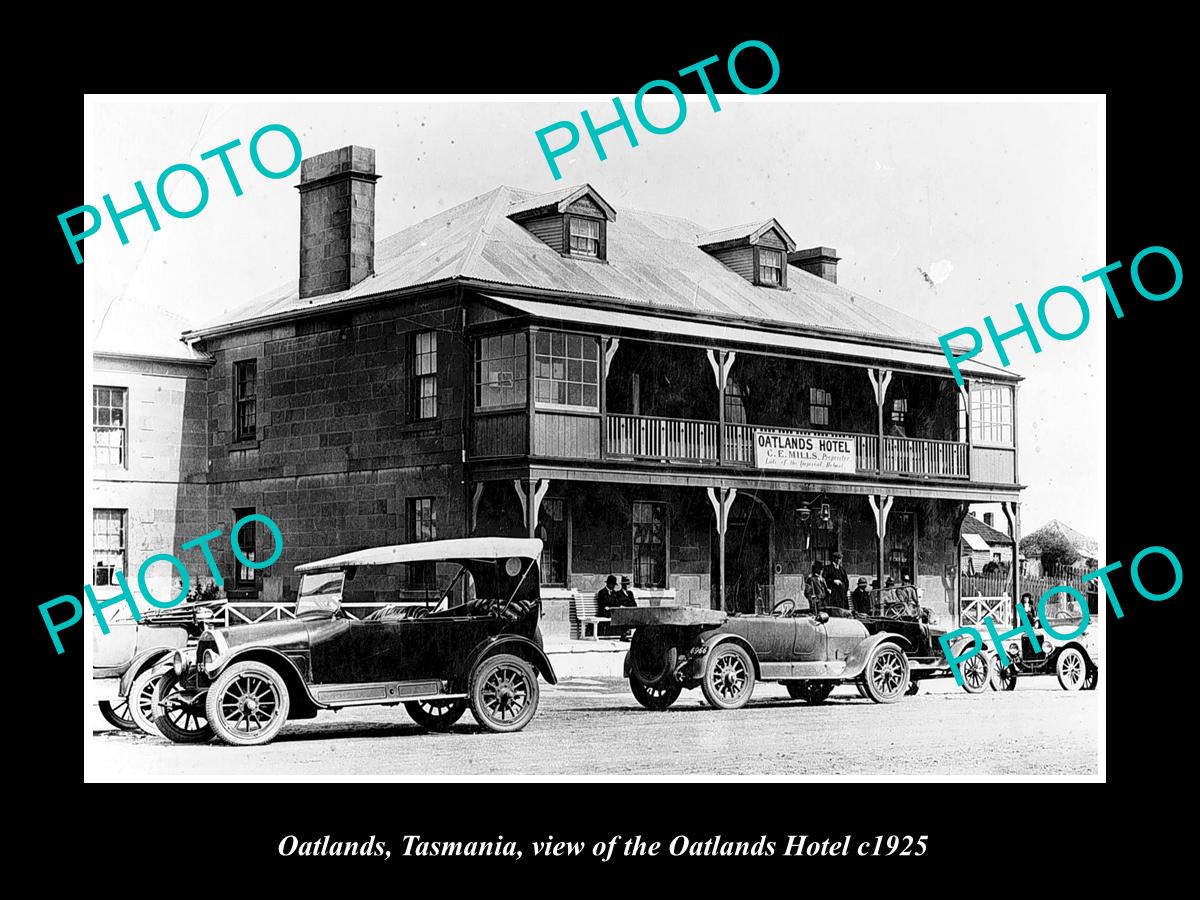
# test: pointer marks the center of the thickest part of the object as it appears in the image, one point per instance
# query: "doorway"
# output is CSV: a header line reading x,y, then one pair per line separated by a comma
x,y
749,556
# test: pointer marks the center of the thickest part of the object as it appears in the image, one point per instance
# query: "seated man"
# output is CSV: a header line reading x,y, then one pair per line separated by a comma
x,y
860,600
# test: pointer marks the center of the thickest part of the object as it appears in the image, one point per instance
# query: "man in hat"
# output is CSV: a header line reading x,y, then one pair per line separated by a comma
x,y
837,581
608,597
860,600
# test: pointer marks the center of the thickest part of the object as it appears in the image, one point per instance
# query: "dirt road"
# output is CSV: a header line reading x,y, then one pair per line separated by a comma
x,y
594,726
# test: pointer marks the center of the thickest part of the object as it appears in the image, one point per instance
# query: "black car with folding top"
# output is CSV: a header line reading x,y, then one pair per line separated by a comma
x,y
437,659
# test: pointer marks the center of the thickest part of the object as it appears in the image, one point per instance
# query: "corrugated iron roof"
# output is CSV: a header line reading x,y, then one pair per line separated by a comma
x,y
654,263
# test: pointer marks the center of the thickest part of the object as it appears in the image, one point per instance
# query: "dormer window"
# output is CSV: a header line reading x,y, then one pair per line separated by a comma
x,y
585,236
757,251
573,221
770,267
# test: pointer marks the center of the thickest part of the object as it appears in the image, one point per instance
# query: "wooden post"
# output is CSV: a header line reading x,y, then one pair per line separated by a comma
x,y
1012,512
721,505
880,508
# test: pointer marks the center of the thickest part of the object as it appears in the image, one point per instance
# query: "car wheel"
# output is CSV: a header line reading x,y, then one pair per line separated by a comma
x,y
728,677
886,674
1093,678
1071,668
654,697
504,693
247,704
118,715
862,690
435,715
141,701
183,723
652,655
913,688
976,672
1003,678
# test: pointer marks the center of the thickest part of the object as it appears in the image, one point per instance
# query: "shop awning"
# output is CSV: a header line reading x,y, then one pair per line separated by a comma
x,y
976,541
721,335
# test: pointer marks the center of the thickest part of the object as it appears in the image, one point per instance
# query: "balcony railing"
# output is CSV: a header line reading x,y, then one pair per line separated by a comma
x,y
654,437
917,456
687,440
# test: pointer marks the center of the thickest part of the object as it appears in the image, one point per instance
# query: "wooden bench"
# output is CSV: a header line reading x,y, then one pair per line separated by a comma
x,y
585,612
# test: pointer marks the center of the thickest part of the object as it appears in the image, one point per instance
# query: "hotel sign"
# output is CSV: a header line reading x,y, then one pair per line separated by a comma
x,y
804,452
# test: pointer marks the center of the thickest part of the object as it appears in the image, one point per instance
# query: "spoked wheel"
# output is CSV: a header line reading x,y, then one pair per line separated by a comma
x,y
435,715
117,715
976,672
1072,669
1093,678
656,697
175,718
141,700
247,704
504,693
810,691
728,677
886,674
1003,678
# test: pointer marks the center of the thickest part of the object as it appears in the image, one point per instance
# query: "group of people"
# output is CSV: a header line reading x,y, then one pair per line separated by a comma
x,y
828,588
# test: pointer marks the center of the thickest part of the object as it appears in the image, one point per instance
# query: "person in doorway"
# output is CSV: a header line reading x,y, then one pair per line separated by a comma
x,y
816,590
860,600
837,581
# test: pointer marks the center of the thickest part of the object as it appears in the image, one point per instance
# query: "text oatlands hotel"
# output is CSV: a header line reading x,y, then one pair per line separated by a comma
x,y
703,409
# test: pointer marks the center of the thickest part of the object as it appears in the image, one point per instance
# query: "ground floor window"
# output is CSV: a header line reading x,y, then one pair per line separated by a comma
x,y
422,526
243,575
108,545
649,545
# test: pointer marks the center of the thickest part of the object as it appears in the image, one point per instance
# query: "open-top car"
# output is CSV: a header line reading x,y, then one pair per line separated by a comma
x,y
897,610
484,651
126,662
724,655
1075,661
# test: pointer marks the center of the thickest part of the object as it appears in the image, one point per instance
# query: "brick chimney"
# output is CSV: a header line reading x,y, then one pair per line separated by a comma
x,y
820,261
337,220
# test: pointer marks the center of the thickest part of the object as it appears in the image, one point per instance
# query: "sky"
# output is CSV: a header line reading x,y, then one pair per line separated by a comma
x,y
948,211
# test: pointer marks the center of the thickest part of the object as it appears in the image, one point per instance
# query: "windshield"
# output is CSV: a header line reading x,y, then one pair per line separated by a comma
x,y
320,592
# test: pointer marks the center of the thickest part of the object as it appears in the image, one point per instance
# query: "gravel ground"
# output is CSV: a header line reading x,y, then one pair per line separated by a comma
x,y
594,726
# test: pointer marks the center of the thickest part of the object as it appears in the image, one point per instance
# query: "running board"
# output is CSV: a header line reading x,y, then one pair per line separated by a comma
x,y
791,671
380,692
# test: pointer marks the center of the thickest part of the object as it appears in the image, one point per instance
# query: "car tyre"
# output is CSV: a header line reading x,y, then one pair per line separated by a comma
x,y
181,724
248,704
117,715
504,693
655,697
435,715
1093,678
728,677
976,673
141,701
1071,668
862,690
886,673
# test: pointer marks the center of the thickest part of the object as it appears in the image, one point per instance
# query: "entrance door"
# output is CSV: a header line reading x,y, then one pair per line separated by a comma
x,y
900,560
749,541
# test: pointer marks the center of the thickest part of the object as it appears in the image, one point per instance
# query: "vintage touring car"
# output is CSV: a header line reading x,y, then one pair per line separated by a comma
x,y
484,651
724,655
1075,660
897,610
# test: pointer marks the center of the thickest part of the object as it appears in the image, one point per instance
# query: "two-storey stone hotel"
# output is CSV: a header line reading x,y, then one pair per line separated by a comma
x,y
705,410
